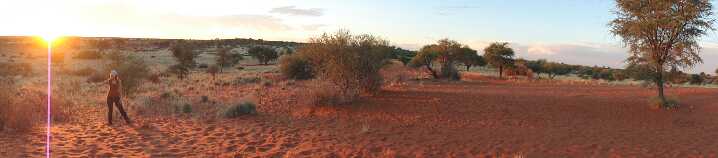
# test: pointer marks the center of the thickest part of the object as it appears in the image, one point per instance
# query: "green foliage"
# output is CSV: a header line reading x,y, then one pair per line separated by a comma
x,y
696,79
470,57
186,108
499,55
132,71
448,53
619,75
404,56
350,62
263,54
554,69
295,66
244,108
88,54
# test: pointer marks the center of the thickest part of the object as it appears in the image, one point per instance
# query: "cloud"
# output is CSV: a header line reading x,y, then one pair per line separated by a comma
x,y
313,27
293,10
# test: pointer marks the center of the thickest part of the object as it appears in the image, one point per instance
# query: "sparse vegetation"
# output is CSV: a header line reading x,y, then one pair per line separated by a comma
x,y
225,58
448,53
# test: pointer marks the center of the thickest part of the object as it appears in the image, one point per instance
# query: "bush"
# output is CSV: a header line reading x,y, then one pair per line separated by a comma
x,y
656,103
179,70
186,108
248,80
295,66
213,70
244,108
263,54
20,110
88,54
349,62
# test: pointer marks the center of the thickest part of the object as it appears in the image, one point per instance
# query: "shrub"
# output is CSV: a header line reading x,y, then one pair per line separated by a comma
x,y
244,108
295,66
88,54
96,77
349,62
248,80
20,110
185,53
186,108
668,103
227,59
263,54
203,66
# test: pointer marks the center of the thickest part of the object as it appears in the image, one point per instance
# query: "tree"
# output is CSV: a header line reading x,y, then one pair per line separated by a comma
x,y
184,53
446,52
716,72
663,34
227,59
263,54
469,57
499,55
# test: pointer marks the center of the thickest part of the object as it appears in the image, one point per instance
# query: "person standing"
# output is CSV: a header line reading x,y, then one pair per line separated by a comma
x,y
114,96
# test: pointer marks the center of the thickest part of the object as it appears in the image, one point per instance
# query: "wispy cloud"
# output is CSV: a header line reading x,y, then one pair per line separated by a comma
x,y
293,10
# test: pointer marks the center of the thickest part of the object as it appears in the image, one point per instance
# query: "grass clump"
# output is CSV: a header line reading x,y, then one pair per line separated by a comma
x,y
244,108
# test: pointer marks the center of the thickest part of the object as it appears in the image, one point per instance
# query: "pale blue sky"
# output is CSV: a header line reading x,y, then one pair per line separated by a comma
x,y
571,31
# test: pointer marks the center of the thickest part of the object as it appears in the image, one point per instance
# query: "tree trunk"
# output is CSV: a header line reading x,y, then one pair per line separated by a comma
x,y
659,83
467,68
433,73
501,72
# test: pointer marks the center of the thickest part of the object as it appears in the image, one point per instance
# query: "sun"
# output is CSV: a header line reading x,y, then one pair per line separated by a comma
x,y
50,38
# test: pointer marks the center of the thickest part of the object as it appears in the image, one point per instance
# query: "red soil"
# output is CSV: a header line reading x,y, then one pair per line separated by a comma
x,y
421,119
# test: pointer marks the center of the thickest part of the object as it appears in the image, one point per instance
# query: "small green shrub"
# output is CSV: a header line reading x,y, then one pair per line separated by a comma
x,y
295,66
656,103
244,108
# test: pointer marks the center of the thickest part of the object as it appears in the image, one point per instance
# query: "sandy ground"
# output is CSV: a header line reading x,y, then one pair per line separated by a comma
x,y
421,119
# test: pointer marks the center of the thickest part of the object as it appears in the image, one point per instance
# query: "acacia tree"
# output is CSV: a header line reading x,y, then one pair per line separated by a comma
x,y
469,58
263,54
446,52
662,34
499,55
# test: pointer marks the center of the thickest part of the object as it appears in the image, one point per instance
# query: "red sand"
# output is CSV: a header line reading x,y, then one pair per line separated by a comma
x,y
429,119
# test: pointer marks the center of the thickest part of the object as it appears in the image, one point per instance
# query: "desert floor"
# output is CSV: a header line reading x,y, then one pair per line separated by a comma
x,y
421,119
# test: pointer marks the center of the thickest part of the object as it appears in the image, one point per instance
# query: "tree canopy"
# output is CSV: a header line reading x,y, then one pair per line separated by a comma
x,y
499,55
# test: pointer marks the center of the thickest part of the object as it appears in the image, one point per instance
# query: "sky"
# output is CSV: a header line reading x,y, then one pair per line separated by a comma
x,y
569,31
